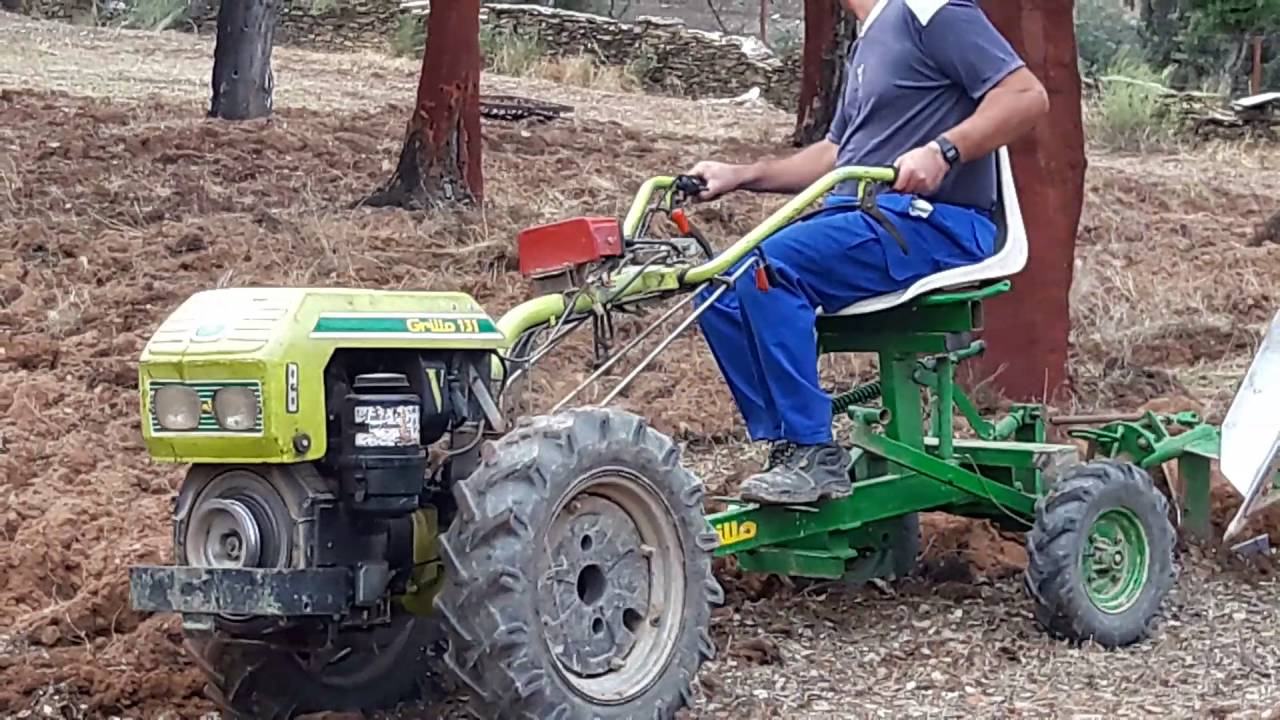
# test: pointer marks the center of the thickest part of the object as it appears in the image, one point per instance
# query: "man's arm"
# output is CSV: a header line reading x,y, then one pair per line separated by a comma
x,y
789,174
1008,110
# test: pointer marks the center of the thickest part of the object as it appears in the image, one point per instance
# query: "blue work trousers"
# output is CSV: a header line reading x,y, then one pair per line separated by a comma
x,y
764,340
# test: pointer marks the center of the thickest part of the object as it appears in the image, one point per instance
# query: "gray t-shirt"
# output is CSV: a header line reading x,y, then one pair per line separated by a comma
x,y
919,69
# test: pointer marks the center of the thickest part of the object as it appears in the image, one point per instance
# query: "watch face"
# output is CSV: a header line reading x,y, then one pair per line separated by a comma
x,y
950,152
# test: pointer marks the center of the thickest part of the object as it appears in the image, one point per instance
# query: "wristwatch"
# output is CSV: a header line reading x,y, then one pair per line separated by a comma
x,y
950,152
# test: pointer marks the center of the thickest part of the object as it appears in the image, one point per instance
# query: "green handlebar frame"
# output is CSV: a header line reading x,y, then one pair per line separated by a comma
x,y
547,308
750,241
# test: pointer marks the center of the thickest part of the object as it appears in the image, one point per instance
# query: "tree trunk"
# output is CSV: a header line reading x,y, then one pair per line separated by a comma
x,y
1162,22
1027,351
1255,77
829,33
440,162
242,79
764,22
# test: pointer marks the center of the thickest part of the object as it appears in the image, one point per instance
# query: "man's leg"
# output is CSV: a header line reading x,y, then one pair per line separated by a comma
x,y
831,260
729,336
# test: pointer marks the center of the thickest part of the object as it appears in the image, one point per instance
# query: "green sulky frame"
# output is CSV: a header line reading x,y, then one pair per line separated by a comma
x,y
904,460
909,460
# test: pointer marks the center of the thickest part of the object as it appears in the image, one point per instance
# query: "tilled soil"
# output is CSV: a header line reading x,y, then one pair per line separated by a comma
x,y
113,210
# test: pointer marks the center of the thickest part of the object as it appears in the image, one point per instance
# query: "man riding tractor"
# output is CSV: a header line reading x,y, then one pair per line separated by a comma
x,y
933,89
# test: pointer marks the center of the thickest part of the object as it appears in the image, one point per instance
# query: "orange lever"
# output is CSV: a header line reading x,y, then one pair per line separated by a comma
x,y
762,279
681,220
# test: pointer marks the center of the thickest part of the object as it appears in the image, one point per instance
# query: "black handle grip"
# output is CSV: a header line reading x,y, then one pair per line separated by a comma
x,y
690,185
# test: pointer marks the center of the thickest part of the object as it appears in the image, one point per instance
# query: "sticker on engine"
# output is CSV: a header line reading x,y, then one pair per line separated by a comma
x,y
387,426
389,326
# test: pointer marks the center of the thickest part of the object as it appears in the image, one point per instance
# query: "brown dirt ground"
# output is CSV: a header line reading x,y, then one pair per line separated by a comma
x,y
115,209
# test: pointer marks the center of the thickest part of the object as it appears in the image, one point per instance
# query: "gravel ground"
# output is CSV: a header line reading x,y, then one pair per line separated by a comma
x,y
971,650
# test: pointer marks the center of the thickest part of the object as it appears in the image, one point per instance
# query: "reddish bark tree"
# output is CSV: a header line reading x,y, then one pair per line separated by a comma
x,y
1027,350
829,32
440,162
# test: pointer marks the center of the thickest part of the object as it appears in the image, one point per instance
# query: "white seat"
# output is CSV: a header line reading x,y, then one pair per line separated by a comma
x,y
1010,257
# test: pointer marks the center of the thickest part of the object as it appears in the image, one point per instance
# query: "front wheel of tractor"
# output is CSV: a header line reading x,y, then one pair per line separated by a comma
x,y
1100,554
579,581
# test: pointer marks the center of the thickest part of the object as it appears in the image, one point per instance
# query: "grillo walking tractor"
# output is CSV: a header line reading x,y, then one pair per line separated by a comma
x,y
360,501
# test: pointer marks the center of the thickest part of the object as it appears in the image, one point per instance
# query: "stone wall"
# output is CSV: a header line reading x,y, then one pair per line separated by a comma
x,y
670,56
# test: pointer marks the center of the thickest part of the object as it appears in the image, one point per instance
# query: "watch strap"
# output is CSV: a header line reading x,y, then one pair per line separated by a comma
x,y
949,151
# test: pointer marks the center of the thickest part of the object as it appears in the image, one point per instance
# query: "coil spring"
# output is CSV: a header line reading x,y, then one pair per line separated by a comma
x,y
858,396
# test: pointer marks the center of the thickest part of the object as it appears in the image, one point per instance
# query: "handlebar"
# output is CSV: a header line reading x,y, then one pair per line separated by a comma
x,y
683,184
691,186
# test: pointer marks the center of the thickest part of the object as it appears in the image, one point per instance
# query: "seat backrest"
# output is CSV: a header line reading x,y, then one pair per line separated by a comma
x,y
1009,259
1010,228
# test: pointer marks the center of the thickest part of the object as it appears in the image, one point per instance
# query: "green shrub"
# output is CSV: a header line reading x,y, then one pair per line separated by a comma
x,y
410,36
1131,110
508,53
1104,31
787,40
157,14
641,70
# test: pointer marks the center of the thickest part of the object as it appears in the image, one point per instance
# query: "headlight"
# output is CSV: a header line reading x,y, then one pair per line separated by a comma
x,y
236,408
177,408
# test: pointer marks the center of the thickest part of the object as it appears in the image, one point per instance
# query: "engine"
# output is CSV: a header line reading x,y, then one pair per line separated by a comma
x,y
321,461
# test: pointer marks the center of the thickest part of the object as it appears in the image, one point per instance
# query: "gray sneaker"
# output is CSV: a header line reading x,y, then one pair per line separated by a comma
x,y
799,475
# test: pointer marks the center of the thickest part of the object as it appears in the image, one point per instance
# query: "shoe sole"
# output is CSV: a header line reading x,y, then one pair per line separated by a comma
x,y
824,494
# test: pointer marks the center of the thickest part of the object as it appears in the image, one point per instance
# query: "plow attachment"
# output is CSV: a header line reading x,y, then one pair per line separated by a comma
x,y
1250,454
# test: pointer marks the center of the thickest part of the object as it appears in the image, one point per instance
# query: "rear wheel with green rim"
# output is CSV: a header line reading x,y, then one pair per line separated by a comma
x,y
1100,555
1115,561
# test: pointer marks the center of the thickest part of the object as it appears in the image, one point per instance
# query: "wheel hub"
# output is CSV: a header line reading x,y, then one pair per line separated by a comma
x,y
598,595
238,521
611,585
227,535
1115,560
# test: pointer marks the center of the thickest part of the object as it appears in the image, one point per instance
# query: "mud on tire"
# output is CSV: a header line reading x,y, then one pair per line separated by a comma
x,y
264,682
579,573
1100,555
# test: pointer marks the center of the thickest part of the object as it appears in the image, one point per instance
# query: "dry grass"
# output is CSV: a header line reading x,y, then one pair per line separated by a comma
x,y
121,64
1167,281
585,72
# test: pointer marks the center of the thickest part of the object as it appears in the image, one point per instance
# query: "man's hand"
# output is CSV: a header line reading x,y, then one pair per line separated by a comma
x,y
720,177
921,171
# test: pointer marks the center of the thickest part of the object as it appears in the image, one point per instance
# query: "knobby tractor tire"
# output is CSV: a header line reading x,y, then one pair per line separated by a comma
x,y
1100,555
557,502
263,682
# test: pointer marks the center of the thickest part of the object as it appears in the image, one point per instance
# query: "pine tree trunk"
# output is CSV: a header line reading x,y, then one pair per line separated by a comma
x,y
1026,356
440,161
242,79
829,33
